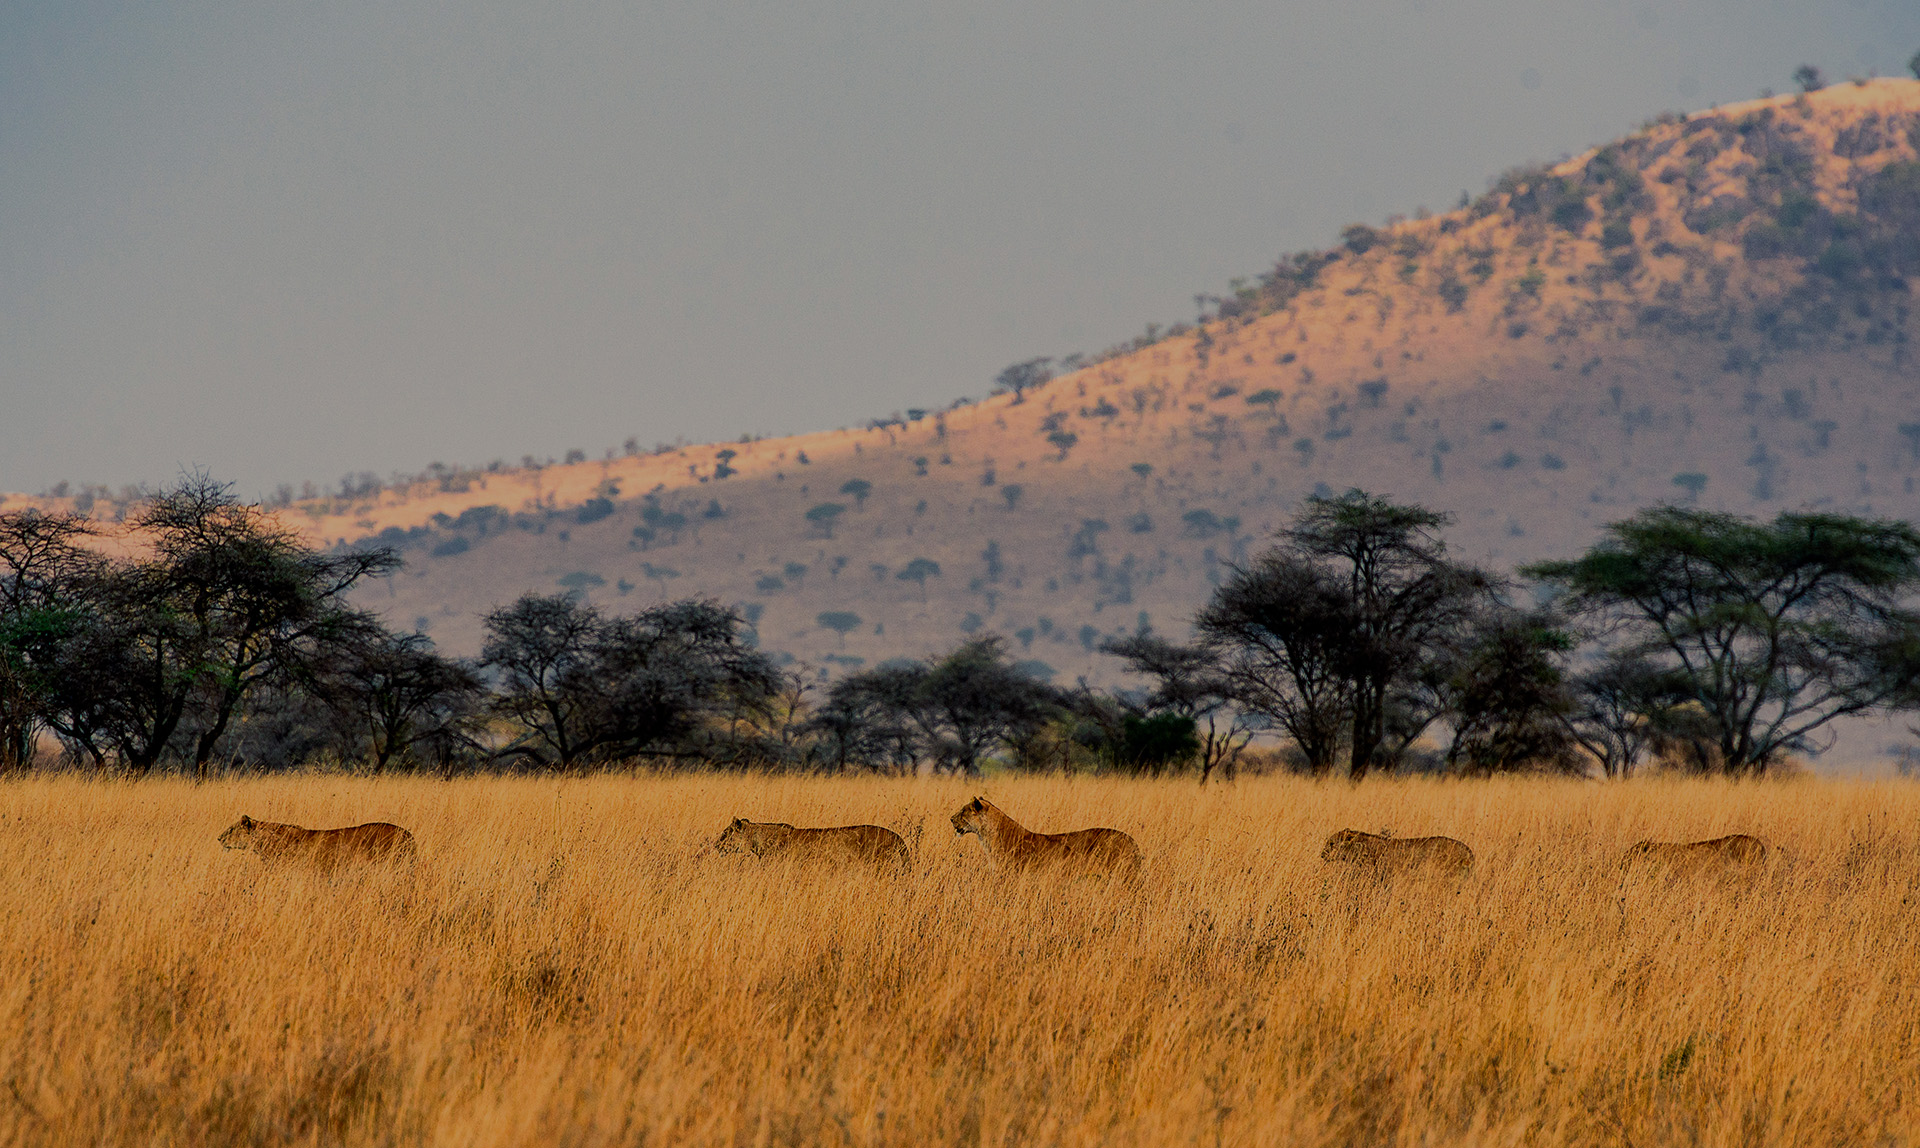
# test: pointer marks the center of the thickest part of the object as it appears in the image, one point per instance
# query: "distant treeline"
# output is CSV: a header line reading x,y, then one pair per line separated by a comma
x,y
1709,641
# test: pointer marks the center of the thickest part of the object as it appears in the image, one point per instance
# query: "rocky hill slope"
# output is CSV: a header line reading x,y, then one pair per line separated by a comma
x,y
1714,309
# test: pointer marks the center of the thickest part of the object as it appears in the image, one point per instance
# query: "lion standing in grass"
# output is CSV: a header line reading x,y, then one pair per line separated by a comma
x,y
1735,851
322,848
1014,846
1381,855
846,844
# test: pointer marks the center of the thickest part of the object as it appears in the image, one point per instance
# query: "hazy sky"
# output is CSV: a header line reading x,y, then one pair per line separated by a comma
x,y
289,241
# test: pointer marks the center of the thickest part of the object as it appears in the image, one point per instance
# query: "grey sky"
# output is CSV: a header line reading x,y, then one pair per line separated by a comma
x,y
286,242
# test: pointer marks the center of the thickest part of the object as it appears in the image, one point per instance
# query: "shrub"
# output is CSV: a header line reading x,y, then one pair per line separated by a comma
x,y
841,622
858,489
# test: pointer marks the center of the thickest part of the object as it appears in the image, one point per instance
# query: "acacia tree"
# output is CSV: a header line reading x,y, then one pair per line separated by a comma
x,y
1620,708
1506,696
541,648
584,688
918,571
1192,683
1325,630
1772,630
1023,377
397,693
45,570
243,596
956,711
867,720
1402,594
1281,627
158,654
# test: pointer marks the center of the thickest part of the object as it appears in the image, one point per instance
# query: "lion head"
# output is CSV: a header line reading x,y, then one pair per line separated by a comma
x,y
735,837
239,835
1344,844
970,817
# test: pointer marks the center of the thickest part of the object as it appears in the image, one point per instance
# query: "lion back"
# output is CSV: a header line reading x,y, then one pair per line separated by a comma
x,y
374,841
1380,854
1105,849
876,845
1737,849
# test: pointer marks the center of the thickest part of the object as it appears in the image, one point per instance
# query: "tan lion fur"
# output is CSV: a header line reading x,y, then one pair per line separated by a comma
x,y
859,844
1014,846
1736,850
322,848
1384,854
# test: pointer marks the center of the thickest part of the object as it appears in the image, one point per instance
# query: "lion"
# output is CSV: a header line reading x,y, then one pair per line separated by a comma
x,y
1013,846
856,844
322,848
1735,851
1381,855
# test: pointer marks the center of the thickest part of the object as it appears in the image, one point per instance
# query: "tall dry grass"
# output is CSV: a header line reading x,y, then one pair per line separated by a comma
x,y
566,966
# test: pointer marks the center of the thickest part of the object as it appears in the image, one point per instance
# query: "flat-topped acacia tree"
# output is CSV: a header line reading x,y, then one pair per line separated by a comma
x,y
1321,632
1773,630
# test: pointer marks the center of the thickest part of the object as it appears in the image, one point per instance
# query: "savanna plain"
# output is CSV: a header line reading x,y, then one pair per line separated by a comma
x,y
569,963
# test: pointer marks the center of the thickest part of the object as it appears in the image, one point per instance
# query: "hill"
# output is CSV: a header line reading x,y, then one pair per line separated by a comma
x,y
1716,308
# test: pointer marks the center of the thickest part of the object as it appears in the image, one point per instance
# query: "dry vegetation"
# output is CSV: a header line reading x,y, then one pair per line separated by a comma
x,y
567,965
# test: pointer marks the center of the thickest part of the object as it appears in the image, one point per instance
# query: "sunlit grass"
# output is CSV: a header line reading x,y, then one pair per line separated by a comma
x,y
567,964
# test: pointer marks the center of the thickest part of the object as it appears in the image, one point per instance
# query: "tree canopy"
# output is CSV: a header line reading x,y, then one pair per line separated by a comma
x,y
1769,630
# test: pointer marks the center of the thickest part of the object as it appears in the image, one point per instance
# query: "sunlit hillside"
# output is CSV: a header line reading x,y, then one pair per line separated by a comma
x,y
1712,309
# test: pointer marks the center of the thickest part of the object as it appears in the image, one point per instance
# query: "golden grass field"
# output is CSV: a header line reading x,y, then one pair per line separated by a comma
x,y
567,966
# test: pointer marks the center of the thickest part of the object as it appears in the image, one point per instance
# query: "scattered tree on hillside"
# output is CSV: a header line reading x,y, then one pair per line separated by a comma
x,y
1023,377
841,622
857,489
918,571
1809,78
824,515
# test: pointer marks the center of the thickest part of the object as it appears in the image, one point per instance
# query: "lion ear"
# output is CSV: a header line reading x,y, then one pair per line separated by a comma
x,y
246,821
738,822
